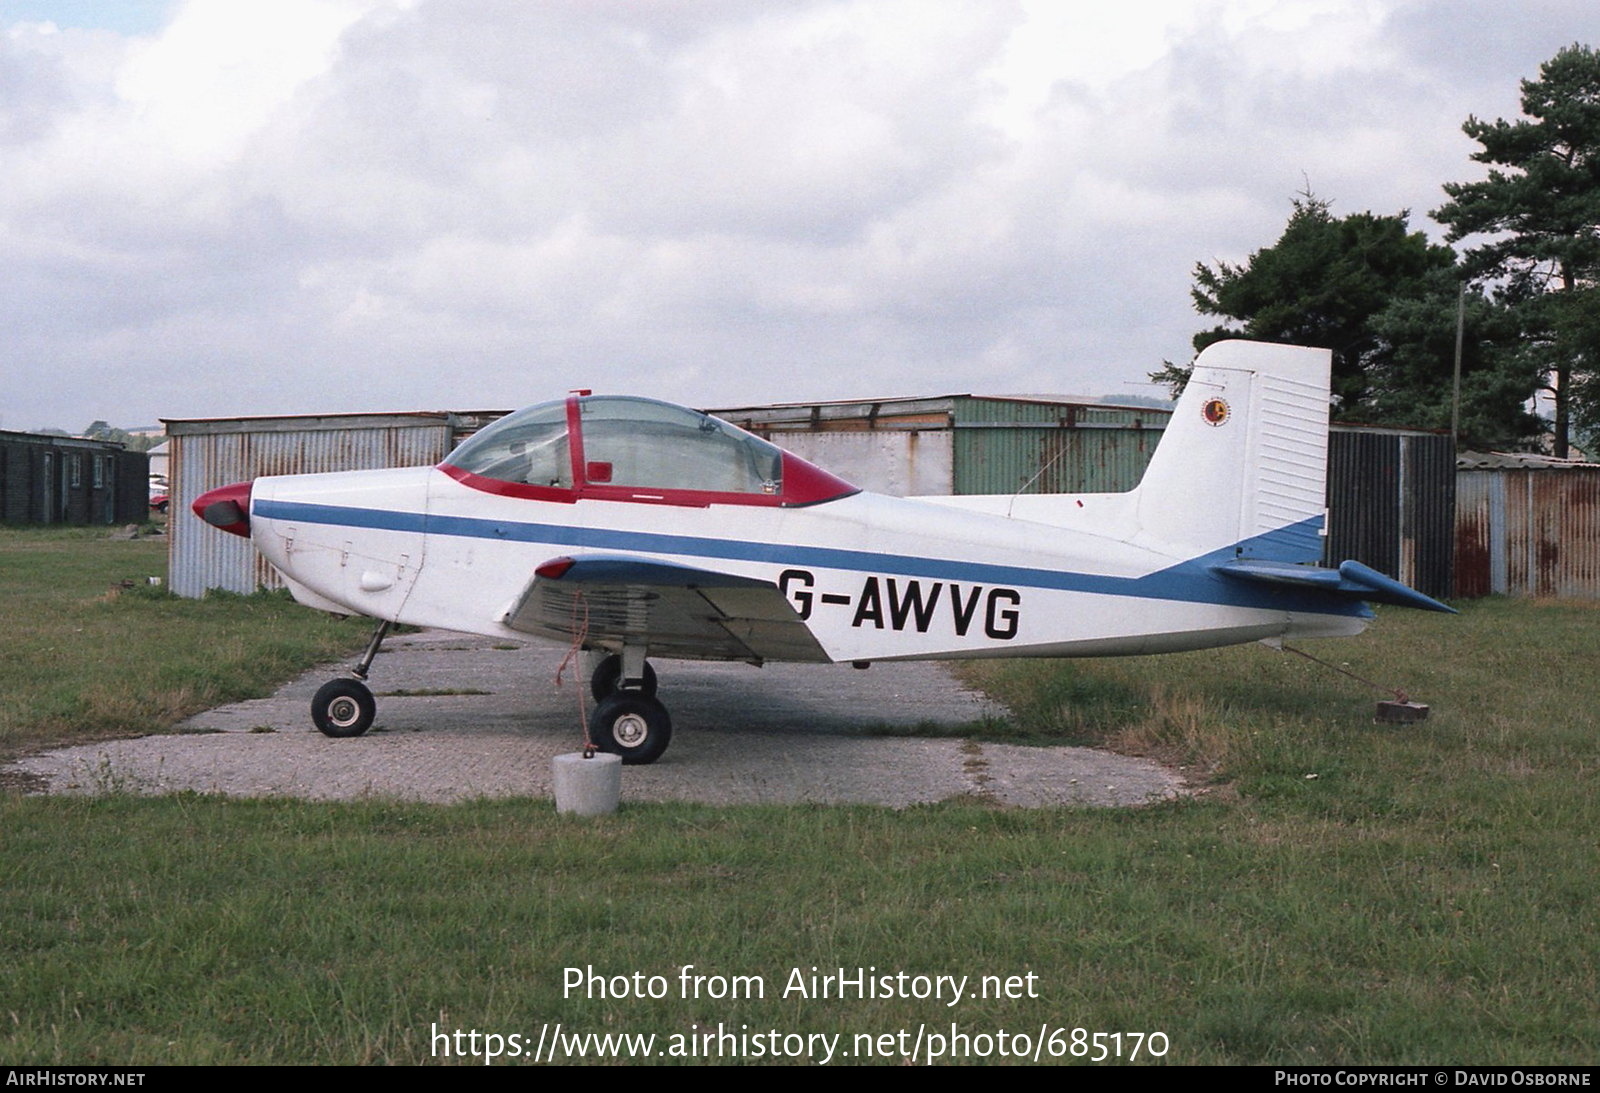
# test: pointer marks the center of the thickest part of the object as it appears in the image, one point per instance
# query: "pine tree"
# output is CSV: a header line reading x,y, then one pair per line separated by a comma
x,y
1540,206
1385,301
1320,284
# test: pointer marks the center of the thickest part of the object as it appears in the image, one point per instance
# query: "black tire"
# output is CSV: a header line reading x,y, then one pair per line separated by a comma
x,y
343,707
631,725
607,679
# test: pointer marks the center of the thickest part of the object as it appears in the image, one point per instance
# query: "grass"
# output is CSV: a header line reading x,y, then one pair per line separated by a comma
x,y
93,650
1346,893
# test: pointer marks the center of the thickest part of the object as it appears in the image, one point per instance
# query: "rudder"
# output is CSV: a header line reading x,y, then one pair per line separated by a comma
x,y
1243,460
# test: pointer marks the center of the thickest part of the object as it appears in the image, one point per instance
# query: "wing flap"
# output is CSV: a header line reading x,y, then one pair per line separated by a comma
x,y
674,610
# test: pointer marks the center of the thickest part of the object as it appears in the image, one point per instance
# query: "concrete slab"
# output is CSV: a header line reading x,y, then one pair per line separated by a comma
x,y
463,717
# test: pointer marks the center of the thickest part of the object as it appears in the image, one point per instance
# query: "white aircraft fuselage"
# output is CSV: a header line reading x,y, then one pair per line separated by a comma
x,y
641,529
872,577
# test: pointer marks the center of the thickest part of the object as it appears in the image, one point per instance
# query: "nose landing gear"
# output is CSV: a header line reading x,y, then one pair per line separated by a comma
x,y
345,707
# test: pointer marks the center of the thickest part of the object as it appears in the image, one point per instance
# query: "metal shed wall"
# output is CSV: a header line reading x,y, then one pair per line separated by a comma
x,y
1008,445
901,447
1528,532
1391,504
901,463
965,444
208,454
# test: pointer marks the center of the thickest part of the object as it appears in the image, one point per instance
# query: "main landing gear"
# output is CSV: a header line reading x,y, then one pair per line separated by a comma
x,y
345,707
629,720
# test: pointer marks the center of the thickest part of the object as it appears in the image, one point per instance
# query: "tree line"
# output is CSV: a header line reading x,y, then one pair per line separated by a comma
x,y
1387,301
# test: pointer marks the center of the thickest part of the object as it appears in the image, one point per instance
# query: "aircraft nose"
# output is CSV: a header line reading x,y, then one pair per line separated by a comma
x,y
227,507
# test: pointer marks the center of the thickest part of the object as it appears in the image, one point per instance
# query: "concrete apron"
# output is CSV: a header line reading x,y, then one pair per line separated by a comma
x,y
780,734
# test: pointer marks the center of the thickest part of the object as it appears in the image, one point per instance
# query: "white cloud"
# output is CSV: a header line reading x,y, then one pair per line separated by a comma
x,y
332,204
201,91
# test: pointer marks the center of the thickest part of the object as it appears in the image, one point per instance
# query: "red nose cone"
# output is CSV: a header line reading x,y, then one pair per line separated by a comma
x,y
227,507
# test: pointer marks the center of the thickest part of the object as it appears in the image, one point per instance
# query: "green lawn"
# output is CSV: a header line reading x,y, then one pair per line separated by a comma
x,y
92,649
1342,892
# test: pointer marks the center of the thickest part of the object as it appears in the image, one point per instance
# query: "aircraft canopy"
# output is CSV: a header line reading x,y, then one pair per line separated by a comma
x,y
627,448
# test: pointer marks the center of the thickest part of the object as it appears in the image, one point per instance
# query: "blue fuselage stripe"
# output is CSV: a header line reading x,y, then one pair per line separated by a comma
x,y
1188,582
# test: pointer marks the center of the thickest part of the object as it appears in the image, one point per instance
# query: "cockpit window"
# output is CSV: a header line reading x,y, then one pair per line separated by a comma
x,y
637,450
528,448
640,443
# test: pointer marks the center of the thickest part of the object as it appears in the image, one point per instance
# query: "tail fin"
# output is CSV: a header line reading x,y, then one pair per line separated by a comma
x,y
1243,460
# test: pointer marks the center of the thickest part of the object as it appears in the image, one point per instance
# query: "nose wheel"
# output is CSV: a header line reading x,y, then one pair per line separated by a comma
x,y
345,707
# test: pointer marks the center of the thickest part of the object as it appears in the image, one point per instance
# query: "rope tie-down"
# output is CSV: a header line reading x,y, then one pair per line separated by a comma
x,y
1402,711
580,634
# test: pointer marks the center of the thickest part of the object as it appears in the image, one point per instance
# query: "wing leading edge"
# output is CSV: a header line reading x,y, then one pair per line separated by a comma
x,y
674,610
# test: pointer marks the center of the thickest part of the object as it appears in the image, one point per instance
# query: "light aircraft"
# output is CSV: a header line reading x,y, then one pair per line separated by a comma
x,y
633,529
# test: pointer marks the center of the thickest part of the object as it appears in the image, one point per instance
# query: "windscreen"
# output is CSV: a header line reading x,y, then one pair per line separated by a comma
x,y
528,447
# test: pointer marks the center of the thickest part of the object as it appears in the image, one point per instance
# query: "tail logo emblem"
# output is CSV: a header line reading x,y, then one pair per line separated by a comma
x,y
1215,411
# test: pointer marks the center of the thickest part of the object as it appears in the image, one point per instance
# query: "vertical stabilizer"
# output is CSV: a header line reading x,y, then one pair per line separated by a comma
x,y
1244,458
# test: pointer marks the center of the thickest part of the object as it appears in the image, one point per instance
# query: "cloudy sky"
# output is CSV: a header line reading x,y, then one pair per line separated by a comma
x,y
211,208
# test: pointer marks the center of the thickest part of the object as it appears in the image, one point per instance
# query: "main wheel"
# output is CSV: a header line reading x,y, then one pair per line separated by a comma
x,y
607,679
632,725
343,707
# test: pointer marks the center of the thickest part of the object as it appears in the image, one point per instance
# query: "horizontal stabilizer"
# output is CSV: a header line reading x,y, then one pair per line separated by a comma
x,y
1352,580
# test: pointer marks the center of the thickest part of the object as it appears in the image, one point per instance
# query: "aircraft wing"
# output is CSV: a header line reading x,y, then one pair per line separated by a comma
x,y
675,610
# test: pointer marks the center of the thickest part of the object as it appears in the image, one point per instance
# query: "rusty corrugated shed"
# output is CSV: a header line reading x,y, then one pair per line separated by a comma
x,y
986,410
1528,531
216,452
1391,504
844,416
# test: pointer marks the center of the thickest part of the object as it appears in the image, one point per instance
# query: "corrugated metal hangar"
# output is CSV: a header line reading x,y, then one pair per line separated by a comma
x,y
1392,491
211,452
1528,525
